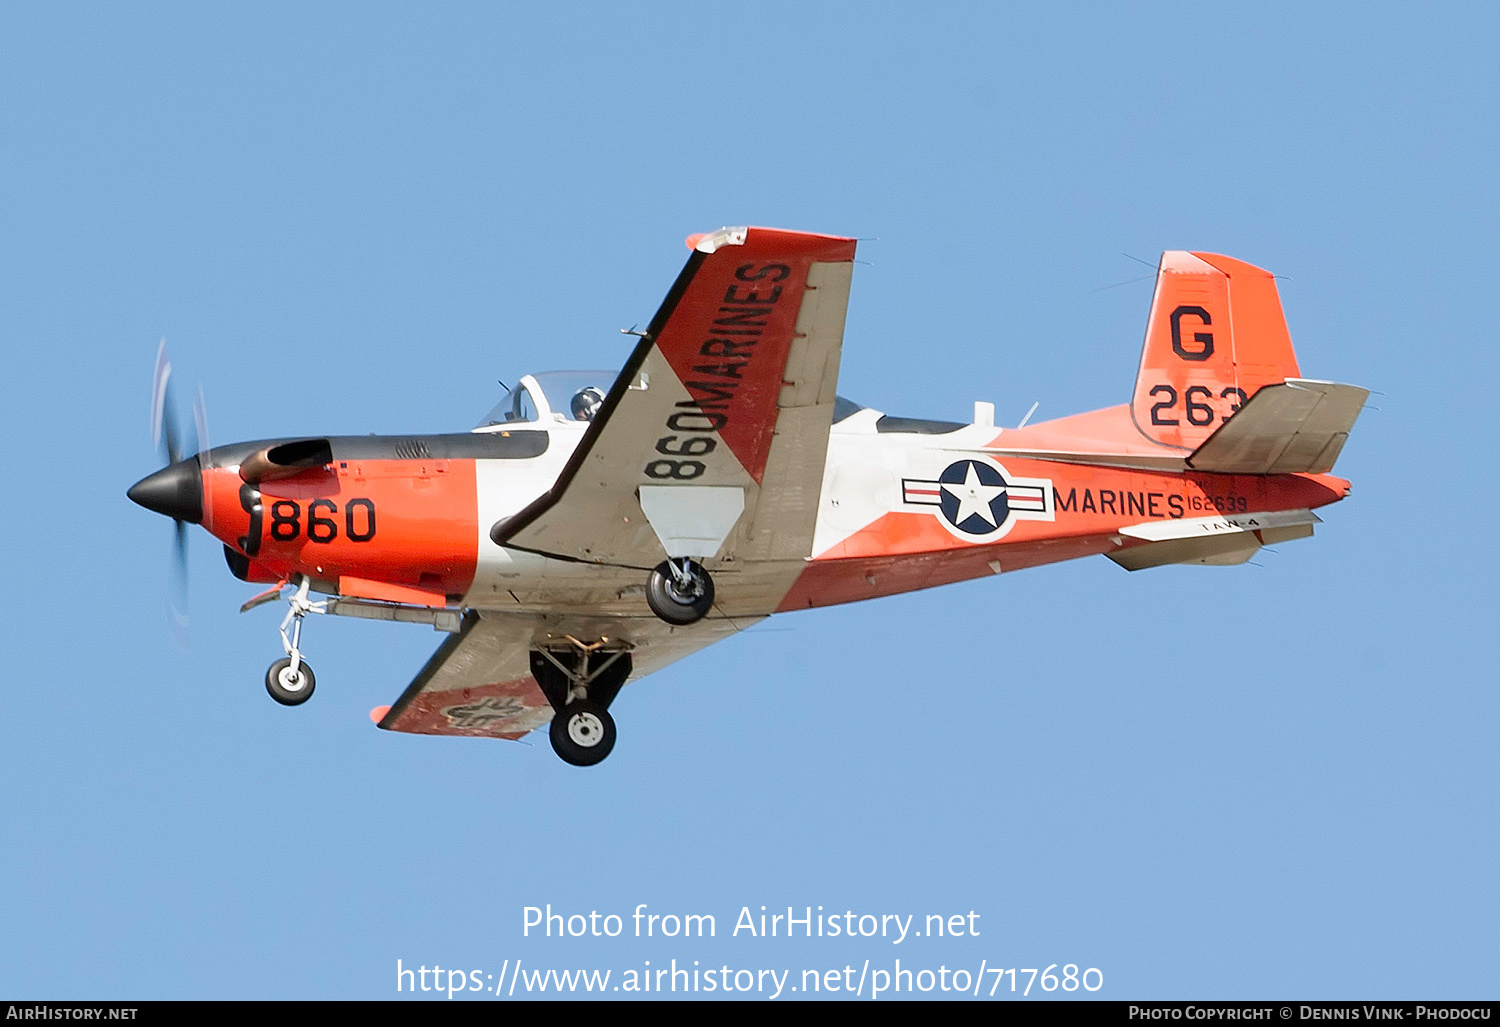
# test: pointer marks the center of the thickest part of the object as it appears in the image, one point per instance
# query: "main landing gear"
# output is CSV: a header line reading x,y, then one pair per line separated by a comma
x,y
580,680
290,681
680,591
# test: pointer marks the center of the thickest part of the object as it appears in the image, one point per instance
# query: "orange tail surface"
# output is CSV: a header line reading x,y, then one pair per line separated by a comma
x,y
1216,335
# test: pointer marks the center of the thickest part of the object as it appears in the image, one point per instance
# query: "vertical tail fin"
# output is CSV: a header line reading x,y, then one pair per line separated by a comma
x,y
1216,334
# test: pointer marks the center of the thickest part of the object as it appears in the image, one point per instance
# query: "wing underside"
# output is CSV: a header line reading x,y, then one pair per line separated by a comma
x,y
478,683
719,420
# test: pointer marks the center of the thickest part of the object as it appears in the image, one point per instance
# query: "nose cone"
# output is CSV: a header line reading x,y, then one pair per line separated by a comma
x,y
175,491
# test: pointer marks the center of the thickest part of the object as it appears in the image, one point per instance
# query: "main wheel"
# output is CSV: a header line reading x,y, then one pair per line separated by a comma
x,y
680,602
583,733
287,688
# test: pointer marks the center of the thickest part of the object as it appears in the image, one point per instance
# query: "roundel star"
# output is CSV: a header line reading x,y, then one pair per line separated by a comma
x,y
973,497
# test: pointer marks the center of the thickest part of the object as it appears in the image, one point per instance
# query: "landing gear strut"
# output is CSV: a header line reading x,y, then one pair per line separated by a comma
x,y
580,680
680,591
290,681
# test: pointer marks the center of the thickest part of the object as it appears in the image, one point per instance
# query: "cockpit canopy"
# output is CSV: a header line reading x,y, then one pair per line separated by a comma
x,y
551,397
575,397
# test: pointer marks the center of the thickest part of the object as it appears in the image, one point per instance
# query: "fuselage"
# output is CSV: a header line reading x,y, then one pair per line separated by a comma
x,y
905,505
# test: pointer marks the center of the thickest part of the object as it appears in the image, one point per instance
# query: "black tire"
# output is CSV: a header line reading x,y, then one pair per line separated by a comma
x,y
583,733
290,692
674,605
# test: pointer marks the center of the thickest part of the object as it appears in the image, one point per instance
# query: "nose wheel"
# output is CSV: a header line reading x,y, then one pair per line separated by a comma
x,y
290,680
680,591
288,685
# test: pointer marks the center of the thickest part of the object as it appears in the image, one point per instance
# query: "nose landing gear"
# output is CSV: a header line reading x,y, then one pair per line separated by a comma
x,y
290,681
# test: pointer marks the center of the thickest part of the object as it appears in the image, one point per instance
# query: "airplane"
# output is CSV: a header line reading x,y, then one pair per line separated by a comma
x,y
595,527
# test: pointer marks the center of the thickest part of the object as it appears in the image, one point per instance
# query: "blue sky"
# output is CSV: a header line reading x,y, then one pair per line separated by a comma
x,y
1268,781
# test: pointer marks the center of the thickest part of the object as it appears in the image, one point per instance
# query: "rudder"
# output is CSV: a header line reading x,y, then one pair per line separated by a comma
x,y
1215,336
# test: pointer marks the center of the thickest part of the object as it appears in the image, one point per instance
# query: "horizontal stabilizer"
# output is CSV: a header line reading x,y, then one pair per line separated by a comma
x,y
1218,524
1295,427
1212,551
1211,541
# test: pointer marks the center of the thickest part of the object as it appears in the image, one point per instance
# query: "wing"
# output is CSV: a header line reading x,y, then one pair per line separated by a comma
x,y
479,681
711,442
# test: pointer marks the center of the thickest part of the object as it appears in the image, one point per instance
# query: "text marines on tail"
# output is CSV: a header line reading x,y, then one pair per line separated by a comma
x,y
597,526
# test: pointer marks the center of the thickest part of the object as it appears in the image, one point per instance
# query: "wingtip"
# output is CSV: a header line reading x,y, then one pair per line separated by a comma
x,y
708,242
